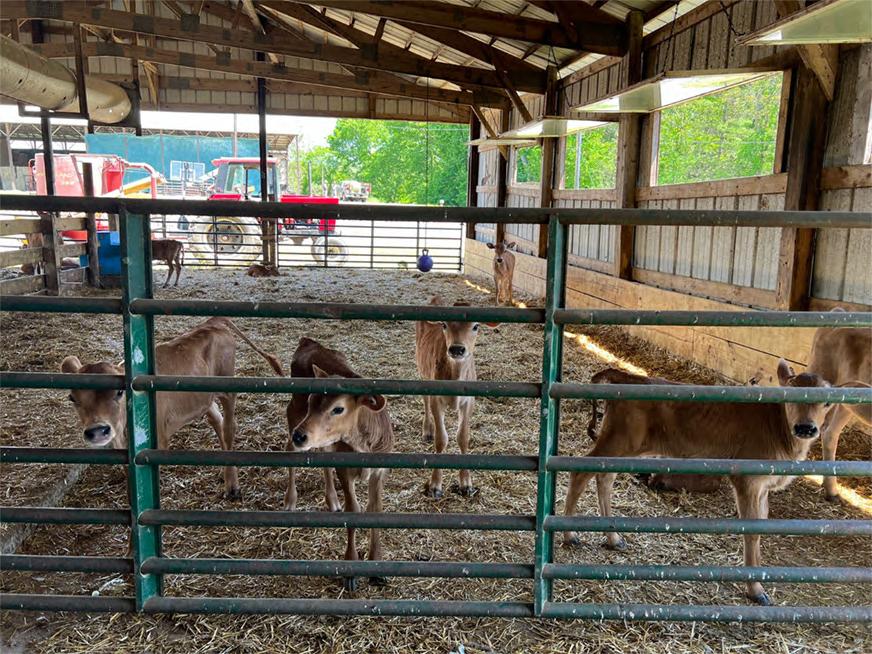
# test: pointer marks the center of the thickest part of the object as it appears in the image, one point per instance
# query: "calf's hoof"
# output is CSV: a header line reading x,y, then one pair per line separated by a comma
x,y
380,582
465,491
618,546
349,584
435,493
233,494
834,498
428,437
572,541
761,598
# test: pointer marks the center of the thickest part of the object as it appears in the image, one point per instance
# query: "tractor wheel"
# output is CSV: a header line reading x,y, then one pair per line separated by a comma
x,y
337,252
228,240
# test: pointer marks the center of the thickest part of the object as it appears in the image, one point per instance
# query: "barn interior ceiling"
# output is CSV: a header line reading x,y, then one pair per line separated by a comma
x,y
827,21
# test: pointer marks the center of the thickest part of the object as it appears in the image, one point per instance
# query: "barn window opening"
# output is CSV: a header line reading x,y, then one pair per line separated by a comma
x,y
591,158
721,136
528,164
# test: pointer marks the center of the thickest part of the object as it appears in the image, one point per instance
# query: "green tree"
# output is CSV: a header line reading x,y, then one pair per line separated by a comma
x,y
528,164
405,162
724,135
599,157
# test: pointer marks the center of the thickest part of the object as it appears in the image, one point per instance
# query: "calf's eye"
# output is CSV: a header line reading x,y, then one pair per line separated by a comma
x,y
119,395
71,398
337,410
475,327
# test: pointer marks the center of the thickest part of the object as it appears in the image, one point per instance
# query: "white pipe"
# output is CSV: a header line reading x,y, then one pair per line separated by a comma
x,y
31,78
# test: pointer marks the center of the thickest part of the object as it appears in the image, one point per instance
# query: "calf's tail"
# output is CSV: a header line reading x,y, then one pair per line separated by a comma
x,y
270,359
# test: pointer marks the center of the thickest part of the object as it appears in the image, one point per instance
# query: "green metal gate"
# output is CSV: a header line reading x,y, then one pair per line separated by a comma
x,y
143,459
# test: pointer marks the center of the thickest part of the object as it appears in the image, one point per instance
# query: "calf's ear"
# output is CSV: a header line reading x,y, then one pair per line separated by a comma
x,y
374,403
319,372
490,246
71,364
512,245
785,372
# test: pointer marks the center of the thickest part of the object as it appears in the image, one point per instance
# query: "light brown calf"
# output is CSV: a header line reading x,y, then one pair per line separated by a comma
x,y
262,270
704,430
841,355
207,350
444,351
350,423
172,253
504,270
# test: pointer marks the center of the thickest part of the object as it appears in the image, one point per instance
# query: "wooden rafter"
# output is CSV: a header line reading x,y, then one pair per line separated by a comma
x,y
600,35
193,30
368,81
821,58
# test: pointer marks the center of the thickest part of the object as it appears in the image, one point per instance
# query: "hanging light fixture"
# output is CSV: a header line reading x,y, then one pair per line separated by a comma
x,y
674,87
827,21
496,141
550,127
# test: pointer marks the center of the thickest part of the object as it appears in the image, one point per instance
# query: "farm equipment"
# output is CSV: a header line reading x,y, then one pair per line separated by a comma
x,y
239,238
352,191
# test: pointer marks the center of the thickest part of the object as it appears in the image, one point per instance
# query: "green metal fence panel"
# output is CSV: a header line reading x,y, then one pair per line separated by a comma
x,y
143,459
141,423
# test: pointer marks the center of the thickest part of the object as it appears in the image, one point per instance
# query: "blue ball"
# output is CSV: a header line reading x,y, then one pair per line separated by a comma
x,y
425,262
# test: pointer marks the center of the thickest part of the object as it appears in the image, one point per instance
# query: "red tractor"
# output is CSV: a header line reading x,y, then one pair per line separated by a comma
x,y
239,238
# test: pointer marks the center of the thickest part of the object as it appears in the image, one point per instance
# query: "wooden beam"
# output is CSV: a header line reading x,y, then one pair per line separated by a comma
x,y
472,165
366,81
473,47
820,58
805,155
600,37
549,153
856,176
502,177
629,153
192,30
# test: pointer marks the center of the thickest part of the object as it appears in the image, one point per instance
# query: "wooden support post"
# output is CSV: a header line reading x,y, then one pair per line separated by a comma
x,y
51,253
502,178
629,151
472,171
549,151
91,228
805,156
266,224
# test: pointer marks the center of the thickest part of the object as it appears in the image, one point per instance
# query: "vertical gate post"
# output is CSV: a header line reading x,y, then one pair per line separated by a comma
x,y
139,360
549,409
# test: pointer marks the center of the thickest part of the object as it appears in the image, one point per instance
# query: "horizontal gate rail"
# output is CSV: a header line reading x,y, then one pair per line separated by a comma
x,y
687,613
61,380
52,304
673,525
387,213
466,570
713,318
793,575
64,516
336,460
9,454
709,466
337,520
88,603
41,563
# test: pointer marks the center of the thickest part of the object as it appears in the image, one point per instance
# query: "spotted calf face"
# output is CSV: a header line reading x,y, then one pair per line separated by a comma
x,y
331,418
102,414
500,249
805,420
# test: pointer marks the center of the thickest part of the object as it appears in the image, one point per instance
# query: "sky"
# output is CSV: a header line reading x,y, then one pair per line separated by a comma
x,y
313,130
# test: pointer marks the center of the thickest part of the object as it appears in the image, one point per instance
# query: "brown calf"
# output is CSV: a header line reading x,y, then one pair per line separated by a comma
x,y
207,350
444,351
704,430
841,355
172,253
504,270
263,270
350,423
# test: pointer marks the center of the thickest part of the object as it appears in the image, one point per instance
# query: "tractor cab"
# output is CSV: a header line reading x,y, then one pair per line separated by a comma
x,y
238,178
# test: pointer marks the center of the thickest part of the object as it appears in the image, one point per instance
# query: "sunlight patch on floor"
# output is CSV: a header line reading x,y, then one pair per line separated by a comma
x,y
847,495
587,343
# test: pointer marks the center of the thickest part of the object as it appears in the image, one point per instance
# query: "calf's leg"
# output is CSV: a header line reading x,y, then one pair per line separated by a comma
x,y
434,487
347,479
605,482
178,266
169,263
427,426
231,473
752,502
578,481
465,478
374,505
837,419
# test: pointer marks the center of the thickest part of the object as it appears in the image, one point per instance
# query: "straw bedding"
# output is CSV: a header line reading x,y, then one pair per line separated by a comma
x,y
500,426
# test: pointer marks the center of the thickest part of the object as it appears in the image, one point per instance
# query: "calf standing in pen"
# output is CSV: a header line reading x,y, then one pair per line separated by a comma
x,y
207,350
704,430
841,355
341,422
444,351
172,253
504,270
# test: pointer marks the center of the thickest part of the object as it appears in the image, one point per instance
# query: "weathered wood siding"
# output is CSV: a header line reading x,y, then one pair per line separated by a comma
x,y
526,236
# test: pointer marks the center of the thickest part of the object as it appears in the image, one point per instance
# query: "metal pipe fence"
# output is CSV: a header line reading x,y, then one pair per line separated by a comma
x,y
142,458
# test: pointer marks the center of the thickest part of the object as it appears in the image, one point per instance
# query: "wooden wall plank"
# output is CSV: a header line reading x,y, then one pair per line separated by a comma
x,y
702,244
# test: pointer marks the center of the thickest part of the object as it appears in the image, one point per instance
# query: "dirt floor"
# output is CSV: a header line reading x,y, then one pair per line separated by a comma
x,y
501,426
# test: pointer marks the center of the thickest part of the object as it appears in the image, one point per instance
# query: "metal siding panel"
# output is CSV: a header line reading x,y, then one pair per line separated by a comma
x,y
684,254
702,244
746,241
768,245
858,267
723,244
668,242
